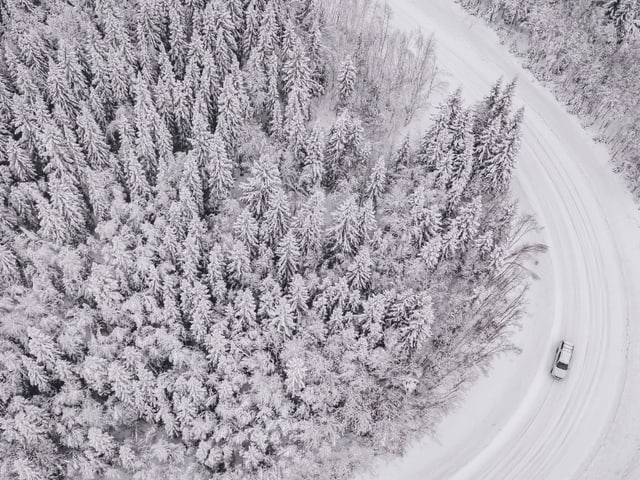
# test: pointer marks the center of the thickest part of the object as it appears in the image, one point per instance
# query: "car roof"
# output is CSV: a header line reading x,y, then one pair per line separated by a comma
x,y
565,356
565,353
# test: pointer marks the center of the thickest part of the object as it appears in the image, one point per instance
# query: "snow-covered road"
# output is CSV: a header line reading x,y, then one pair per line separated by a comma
x,y
519,423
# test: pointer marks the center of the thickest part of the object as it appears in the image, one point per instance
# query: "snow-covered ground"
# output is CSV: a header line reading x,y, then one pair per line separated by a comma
x,y
519,423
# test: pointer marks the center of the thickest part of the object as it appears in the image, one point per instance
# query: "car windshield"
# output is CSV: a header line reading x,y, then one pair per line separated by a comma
x,y
563,366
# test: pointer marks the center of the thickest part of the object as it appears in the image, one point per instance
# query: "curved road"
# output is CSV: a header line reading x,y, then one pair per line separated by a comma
x,y
519,423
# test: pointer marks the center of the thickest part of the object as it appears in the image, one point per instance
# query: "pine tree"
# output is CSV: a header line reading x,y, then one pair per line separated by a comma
x,y
253,15
219,33
443,169
191,257
499,167
505,99
163,90
295,372
120,76
424,221
72,65
345,235
346,81
468,220
308,223
67,202
462,163
191,192
296,72
201,314
403,154
9,271
245,229
277,217
261,185
418,329
215,273
230,121
438,140
149,25
288,252
60,91
146,117
313,163
92,139
268,38
245,310
238,264
282,319
368,222
294,122
359,273
182,108
97,185
220,171
20,162
377,181
298,294
485,112
339,141
135,178
210,85
486,143
431,252
177,36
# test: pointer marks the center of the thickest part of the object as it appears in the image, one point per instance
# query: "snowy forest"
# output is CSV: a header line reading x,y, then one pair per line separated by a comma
x,y
221,255
589,52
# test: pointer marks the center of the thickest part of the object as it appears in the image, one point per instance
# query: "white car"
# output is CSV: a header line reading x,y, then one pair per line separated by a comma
x,y
562,360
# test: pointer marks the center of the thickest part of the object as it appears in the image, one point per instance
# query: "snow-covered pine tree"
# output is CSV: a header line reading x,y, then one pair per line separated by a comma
x,y
346,81
59,90
288,254
418,328
377,181
277,217
201,314
245,229
309,222
298,294
313,162
219,33
230,120
499,168
360,271
191,191
296,72
343,147
245,310
264,180
238,263
295,130
403,154
68,205
219,169
9,271
20,162
345,234
177,36
146,116
92,139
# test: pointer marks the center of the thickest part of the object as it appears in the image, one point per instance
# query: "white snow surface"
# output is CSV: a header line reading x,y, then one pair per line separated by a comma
x,y
519,423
